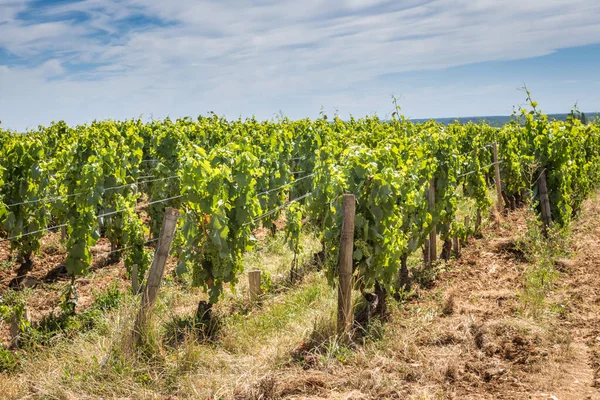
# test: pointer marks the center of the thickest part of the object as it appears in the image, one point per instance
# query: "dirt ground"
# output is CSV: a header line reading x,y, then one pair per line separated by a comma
x,y
47,277
465,337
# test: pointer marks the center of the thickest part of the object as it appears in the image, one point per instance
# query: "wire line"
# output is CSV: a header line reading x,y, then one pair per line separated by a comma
x,y
273,211
136,208
286,185
477,170
51,199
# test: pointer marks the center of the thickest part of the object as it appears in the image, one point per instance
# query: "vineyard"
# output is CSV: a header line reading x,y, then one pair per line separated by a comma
x,y
231,183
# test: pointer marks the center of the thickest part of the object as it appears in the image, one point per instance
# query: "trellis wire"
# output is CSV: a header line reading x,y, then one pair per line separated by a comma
x,y
286,185
136,208
273,211
472,172
56,198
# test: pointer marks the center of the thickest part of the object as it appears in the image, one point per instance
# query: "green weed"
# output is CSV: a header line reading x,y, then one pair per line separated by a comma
x,y
8,361
541,251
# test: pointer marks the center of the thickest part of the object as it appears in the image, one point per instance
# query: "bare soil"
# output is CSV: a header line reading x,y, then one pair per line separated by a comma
x,y
467,338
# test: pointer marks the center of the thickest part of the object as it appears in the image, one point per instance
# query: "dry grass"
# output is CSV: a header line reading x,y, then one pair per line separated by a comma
x,y
462,338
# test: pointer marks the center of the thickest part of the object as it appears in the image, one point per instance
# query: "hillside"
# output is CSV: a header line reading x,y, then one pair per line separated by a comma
x,y
498,120
482,330
221,259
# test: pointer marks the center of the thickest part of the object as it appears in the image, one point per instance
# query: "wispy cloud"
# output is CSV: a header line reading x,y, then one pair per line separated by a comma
x,y
124,58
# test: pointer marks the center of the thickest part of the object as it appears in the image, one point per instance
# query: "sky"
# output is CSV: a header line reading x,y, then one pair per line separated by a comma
x,y
98,59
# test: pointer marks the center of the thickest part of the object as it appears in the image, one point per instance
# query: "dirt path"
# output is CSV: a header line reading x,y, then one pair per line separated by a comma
x,y
572,372
579,290
467,336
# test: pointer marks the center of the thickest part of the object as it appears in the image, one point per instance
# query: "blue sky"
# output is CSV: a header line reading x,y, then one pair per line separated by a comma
x,y
97,59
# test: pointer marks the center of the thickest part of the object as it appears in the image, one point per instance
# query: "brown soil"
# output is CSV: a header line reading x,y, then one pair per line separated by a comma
x,y
48,276
46,280
466,337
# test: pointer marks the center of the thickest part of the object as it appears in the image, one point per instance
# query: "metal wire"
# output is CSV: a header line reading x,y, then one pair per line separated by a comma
x,y
273,211
478,148
286,185
32,233
44,200
472,172
51,199
125,248
98,254
139,207
483,147
142,182
136,208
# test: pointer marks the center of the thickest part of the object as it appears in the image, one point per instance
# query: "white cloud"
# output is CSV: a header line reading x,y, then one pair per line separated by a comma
x,y
239,57
9,9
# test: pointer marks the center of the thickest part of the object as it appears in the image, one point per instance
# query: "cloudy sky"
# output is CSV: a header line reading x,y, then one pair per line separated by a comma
x,y
98,59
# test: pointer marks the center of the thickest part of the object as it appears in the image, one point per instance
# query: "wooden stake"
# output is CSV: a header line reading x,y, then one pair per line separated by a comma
x,y
134,279
114,255
426,253
167,232
433,233
544,200
456,246
254,284
500,205
15,329
345,315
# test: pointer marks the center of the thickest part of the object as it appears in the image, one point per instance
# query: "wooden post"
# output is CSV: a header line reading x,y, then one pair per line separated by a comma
x,y
456,246
500,205
544,200
254,284
345,314
15,329
433,233
478,223
426,254
114,254
167,232
134,279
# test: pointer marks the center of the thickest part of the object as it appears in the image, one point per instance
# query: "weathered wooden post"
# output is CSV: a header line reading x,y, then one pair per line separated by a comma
x,y
433,233
167,232
345,313
478,223
456,246
15,326
544,200
500,205
254,285
134,279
